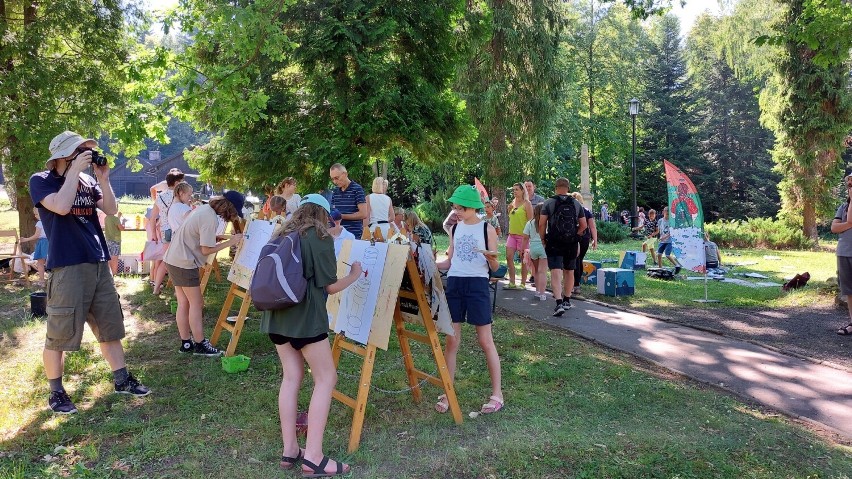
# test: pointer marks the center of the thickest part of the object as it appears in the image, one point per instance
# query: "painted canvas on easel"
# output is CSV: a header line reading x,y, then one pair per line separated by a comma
x,y
440,311
257,235
358,302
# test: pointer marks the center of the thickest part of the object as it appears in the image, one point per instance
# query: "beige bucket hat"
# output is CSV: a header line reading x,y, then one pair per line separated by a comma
x,y
64,144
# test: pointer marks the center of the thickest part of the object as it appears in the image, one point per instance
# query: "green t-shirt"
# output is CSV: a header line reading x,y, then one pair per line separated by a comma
x,y
111,230
310,317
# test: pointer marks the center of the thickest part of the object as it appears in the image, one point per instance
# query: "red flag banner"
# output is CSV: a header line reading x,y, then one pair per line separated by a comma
x,y
686,219
483,193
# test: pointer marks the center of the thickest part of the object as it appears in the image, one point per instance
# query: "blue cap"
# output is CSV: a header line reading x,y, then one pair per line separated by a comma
x,y
237,199
317,200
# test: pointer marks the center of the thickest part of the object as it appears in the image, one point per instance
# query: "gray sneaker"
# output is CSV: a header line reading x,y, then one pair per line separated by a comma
x,y
204,348
133,387
559,311
566,305
60,402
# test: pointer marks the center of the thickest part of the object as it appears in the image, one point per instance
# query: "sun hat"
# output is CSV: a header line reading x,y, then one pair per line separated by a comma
x,y
467,196
63,145
237,199
317,200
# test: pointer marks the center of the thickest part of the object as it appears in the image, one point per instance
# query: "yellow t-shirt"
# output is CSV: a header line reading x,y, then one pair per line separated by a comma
x,y
517,220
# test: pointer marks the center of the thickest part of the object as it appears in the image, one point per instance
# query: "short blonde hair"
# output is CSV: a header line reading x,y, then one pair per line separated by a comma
x,y
379,184
577,196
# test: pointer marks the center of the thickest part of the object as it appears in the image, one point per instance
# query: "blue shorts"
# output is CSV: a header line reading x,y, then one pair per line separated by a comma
x,y
469,300
40,249
665,248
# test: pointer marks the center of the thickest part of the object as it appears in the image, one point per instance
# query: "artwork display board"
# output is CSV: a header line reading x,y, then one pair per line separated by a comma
x,y
441,378
433,288
364,310
256,236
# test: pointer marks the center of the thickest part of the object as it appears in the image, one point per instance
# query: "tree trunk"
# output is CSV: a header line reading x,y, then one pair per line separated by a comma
x,y
10,186
809,221
26,220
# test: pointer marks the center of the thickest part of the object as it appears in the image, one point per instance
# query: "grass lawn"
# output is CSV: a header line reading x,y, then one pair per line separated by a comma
x,y
572,409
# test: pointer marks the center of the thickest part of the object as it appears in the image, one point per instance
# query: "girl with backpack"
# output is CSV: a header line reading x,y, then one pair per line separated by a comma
x,y
471,255
300,335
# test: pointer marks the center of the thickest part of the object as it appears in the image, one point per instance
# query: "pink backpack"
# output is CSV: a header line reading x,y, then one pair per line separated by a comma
x,y
279,278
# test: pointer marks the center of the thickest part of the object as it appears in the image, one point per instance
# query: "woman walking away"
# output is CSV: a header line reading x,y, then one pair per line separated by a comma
x,y
379,209
472,254
191,244
300,335
538,258
520,211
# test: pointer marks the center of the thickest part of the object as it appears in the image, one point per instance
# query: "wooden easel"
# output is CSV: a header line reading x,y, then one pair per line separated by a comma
x,y
368,352
222,323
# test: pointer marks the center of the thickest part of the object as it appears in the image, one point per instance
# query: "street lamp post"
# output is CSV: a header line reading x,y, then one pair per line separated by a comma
x,y
633,108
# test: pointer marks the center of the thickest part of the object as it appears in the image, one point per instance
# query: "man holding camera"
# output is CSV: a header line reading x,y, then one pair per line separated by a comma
x,y
80,288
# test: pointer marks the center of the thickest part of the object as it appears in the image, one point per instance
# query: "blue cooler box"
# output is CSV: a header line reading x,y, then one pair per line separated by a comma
x,y
632,260
616,282
590,272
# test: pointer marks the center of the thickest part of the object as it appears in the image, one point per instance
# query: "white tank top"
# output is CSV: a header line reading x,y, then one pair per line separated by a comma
x,y
379,206
467,261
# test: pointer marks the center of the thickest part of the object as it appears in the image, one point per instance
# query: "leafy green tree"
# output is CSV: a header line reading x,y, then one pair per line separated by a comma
x,y
323,82
512,85
602,54
808,104
736,180
72,65
667,122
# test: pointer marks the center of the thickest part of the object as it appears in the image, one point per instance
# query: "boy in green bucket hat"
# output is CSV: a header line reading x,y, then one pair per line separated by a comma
x,y
472,254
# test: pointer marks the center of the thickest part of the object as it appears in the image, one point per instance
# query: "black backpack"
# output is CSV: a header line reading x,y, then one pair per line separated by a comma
x,y
562,224
279,278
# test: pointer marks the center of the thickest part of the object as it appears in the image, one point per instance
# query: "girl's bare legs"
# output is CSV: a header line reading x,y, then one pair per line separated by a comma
x,y
293,365
319,359
182,315
510,262
492,359
40,269
196,310
540,275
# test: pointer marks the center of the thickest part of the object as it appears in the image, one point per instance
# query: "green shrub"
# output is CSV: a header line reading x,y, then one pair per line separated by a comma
x,y
757,233
611,231
433,212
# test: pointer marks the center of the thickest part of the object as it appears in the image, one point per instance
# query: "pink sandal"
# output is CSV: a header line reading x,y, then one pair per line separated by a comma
x,y
493,405
443,405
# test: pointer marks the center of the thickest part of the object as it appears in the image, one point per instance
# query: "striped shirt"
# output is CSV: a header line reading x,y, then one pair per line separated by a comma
x,y
347,201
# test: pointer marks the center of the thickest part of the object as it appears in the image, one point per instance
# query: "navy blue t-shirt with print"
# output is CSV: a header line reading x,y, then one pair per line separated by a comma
x,y
77,237
347,201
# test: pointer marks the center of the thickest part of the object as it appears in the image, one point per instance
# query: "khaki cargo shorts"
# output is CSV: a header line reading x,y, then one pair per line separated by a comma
x,y
79,294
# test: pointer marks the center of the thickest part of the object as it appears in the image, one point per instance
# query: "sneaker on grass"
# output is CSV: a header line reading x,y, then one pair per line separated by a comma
x,y
204,348
133,387
60,402
187,346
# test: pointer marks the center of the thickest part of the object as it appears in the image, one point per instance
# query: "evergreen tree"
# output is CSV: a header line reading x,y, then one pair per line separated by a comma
x,y
665,116
737,180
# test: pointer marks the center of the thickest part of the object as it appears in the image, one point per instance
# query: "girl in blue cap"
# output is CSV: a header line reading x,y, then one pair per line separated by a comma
x,y
472,254
300,335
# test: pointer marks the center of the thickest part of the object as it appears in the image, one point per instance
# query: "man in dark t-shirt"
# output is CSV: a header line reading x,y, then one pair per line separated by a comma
x,y
348,198
561,258
80,288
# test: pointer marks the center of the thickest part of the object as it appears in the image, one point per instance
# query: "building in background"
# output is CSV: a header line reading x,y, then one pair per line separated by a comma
x,y
127,182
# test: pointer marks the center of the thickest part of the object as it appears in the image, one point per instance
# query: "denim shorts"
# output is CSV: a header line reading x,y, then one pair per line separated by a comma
x,y
469,300
665,248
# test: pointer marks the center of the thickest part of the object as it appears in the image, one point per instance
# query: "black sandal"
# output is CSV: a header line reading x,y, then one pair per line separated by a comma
x,y
846,330
290,462
319,470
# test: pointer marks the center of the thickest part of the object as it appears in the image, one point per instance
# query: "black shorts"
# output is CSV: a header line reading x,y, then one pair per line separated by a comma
x,y
562,257
297,343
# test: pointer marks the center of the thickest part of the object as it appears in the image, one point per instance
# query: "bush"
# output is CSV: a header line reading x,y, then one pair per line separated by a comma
x,y
611,231
757,233
433,212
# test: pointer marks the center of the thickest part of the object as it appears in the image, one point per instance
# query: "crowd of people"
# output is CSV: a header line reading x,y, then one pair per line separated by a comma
x,y
80,250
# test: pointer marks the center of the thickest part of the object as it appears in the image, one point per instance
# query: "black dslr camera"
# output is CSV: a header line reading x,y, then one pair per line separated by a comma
x,y
97,158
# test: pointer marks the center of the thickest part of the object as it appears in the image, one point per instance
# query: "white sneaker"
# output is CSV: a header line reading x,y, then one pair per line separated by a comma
x,y
542,297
